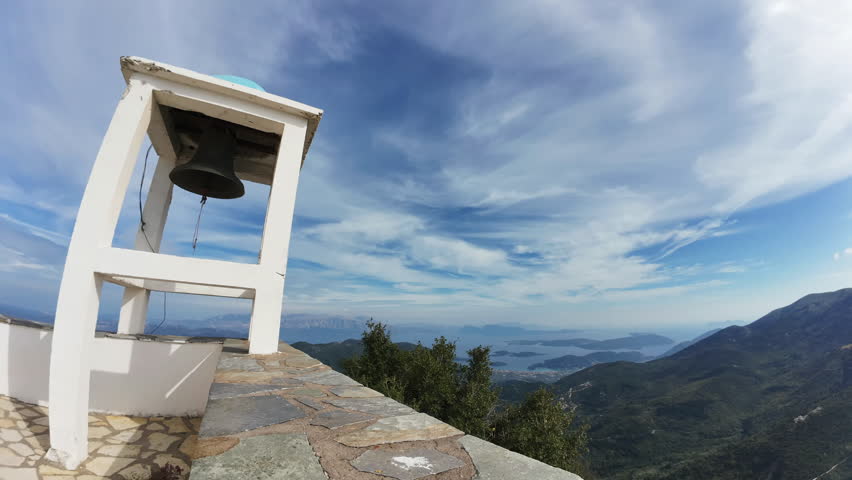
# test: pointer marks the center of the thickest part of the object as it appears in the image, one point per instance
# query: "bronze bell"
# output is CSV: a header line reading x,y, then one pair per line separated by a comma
x,y
210,172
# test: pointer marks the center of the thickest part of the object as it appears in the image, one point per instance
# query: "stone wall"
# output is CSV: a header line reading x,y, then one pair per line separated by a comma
x,y
288,416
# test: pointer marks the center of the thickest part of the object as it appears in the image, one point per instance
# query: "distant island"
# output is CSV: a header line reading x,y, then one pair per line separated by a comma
x,y
577,362
506,353
464,360
635,340
496,330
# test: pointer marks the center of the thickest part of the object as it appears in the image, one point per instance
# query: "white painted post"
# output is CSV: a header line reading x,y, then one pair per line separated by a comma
x,y
266,310
134,303
79,292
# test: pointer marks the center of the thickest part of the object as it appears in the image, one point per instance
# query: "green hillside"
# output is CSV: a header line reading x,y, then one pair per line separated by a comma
x,y
724,407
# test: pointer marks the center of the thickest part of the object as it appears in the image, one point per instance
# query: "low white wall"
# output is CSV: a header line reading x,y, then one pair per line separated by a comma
x,y
129,377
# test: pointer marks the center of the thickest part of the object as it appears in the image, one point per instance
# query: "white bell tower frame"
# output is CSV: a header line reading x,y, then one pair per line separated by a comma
x,y
153,88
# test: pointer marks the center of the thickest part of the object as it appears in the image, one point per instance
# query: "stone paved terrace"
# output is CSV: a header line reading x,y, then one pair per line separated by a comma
x,y
125,448
288,416
279,416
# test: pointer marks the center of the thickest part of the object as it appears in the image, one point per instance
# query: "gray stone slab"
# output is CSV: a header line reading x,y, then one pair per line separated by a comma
x,y
290,382
228,416
269,457
232,347
355,392
9,473
245,364
311,402
404,428
329,377
338,418
406,464
497,463
302,361
306,392
204,340
382,406
29,323
229,390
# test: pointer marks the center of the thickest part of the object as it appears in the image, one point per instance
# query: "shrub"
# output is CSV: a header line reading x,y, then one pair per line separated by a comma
x,y
541,428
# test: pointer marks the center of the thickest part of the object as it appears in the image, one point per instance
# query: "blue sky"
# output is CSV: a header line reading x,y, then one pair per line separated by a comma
x,y
625,164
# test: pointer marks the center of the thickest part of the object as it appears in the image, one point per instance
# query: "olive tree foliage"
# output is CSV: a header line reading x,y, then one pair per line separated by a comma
x,y
378,366
541,428
431,381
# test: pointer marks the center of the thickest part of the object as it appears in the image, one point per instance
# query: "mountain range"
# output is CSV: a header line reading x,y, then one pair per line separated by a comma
x,y
770,401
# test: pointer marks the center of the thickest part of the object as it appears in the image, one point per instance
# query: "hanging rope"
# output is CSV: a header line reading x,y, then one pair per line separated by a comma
x,y
141,183
154,330
194,244
198,223
144,233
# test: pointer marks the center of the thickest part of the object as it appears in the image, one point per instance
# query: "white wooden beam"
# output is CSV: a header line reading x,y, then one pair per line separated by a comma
x,y
266,311
218,105
171,268
159,131
79,292
179,287
135,66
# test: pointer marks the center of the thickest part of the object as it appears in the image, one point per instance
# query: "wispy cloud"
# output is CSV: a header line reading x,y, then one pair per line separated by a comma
x,y
473,157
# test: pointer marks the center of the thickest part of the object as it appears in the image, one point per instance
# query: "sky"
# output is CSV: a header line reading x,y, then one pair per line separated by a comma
x,y
631,164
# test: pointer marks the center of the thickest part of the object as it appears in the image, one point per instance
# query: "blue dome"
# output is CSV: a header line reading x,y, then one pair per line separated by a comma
x,y
241,81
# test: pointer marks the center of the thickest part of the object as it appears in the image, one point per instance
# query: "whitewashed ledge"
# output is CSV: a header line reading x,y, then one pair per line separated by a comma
x,y
288,416
138,375
100,334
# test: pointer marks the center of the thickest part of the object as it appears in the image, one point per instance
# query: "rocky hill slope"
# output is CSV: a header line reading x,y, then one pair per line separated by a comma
x,y
770,400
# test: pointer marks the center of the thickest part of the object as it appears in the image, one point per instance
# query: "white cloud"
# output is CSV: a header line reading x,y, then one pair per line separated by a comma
x,y
506,198
598,137
459,256
843,253
36,231
12,261
799,136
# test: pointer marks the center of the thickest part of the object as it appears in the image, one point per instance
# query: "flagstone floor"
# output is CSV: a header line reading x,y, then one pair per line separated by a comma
x,y
123,448
286,416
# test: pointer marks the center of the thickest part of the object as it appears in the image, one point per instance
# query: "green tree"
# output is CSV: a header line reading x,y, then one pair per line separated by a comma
x,y
476,398
541,428
380,363
430,378
431,381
